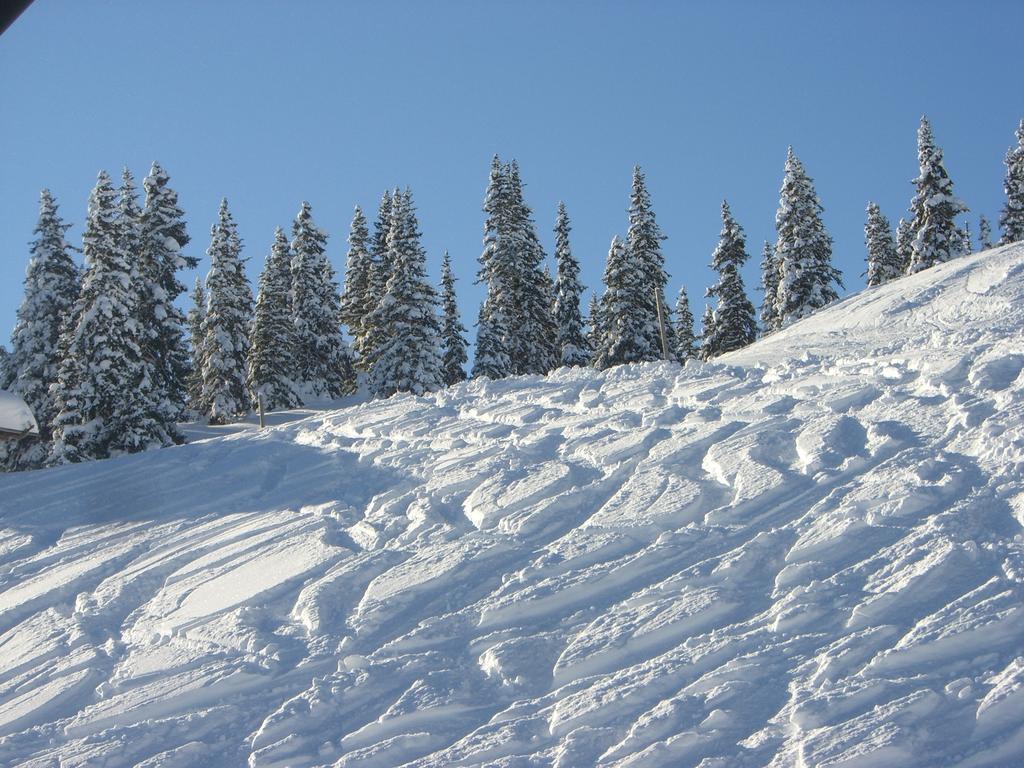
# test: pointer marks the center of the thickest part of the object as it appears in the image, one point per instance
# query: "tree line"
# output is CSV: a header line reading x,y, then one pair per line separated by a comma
x,y
110,364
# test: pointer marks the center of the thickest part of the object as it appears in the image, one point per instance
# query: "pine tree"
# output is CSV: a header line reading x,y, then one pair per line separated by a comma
x,y
770,287
6,369
734,323
323,361
453,341
195,319
572,344
271,364
370,336
934,208
1012,219
686,346
51,289
803,250
357,300
643,241
161,258
490,359
226,326
904,245
984,233
409,359
103,400
883,262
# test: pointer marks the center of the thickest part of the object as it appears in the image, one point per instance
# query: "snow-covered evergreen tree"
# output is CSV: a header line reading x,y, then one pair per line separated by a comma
x,y
735,325
534,341
966,243
453,341
803,251
1012,219
883,262
904,244
686,343
707,329
572,344
51,289
409,359
271,364
770,287
226,327
490,359
195,319
498,273
357,300
984,233
643,241
594,326
322,358
934,208
625,317
104,402
371,337
160,259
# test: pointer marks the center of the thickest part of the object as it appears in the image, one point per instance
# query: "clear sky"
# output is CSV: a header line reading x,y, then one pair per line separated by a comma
x,y
269,103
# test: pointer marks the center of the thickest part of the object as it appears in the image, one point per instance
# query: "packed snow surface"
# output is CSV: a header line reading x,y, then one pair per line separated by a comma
x,y
808,553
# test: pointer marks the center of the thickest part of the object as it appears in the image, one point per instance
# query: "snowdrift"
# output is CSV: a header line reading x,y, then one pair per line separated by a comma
x,y
16,420
808,553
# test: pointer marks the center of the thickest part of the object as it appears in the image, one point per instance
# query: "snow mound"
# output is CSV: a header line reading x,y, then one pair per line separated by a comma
x,y
15,416
808,553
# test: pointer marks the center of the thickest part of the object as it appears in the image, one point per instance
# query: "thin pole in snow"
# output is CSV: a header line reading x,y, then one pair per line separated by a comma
x,y
661,324
259,401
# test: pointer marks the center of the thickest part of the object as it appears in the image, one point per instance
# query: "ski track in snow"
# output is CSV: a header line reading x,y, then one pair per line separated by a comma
x,y
807,553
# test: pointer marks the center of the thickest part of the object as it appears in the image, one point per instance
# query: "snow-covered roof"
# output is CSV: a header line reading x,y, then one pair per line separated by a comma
x,y
15,417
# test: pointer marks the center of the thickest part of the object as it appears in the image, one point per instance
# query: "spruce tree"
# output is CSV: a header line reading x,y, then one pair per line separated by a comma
x,y
594,333
883,262
807,278
734,325
625,318
453,341
534,342
409,359
491,358
1012,219
195,318
51,289
356,298
934,208
643,241
770,287
572,345
497,272
707,329
966,244
904,245
984,233
161,258
323,362
6,372
686,346
102,397
271,364
371,336
226,326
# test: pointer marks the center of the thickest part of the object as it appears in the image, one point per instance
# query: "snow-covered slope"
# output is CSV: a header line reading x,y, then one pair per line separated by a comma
x,y
807,554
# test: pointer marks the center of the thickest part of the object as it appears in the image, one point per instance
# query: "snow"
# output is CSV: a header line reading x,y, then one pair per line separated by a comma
x,y
808,552
15,416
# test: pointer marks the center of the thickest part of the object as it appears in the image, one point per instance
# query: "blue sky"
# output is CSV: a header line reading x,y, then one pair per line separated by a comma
x,y
271,103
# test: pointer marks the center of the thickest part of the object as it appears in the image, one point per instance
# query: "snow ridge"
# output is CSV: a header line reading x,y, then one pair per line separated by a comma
x,y
807,553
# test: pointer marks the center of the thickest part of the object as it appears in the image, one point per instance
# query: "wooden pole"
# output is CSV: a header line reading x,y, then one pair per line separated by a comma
x,y
259,400
661,324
